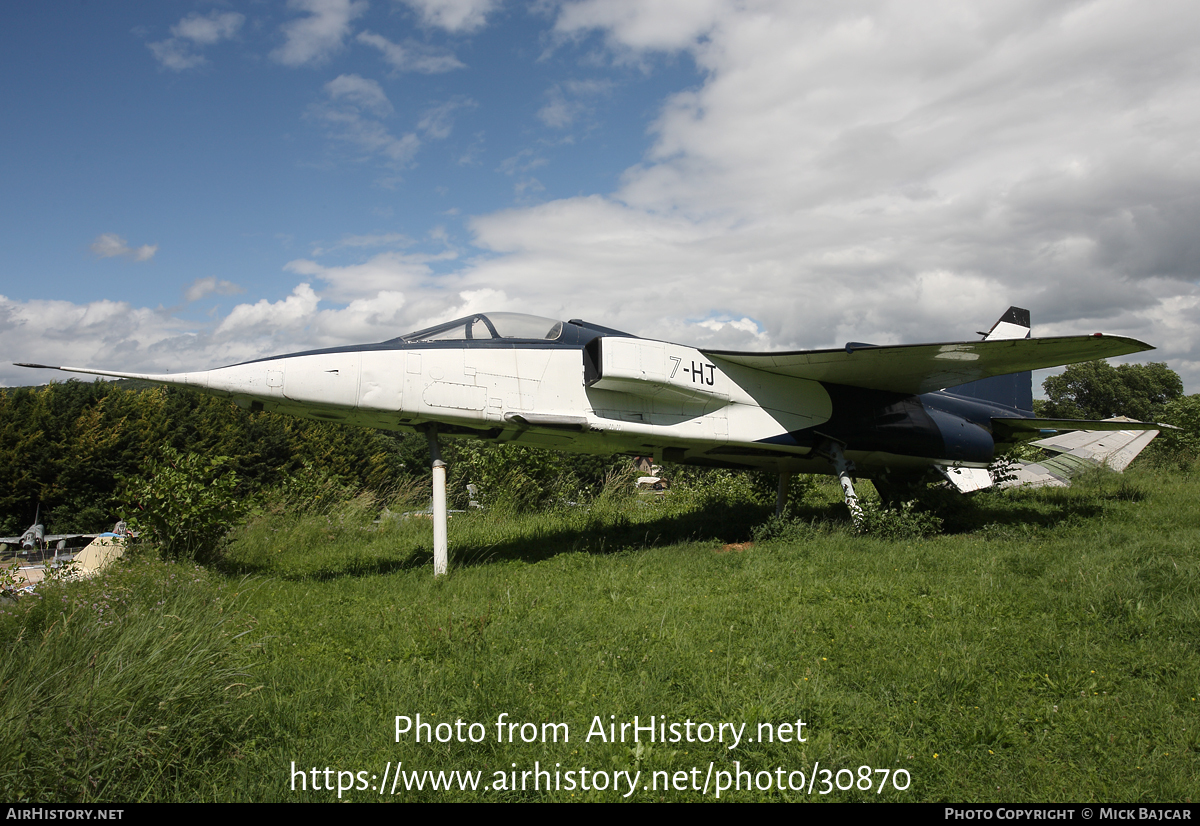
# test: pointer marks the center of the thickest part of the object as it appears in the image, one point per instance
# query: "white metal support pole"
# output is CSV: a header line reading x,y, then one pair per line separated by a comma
x,y
781,495
440,544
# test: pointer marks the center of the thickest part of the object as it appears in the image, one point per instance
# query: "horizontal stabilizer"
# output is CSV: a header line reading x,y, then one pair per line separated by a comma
x,y
1115,450
966,479
1006,429
924,368
1113,446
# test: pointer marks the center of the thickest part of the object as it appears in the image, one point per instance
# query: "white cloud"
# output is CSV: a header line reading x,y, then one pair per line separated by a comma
x,y
119,336
559,112
437,121
372,136
196,30
314,38
202,287
645,24
412,56
207,29
267,317
743,325
471,155
354,116
356,112
385,272
376,318
363,93
520,166
873,171
456,16
386,239
111,245
176,54
566,101
97,334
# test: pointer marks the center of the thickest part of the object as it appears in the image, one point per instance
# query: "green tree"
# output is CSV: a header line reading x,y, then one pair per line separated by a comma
x,y
1097,390
1180,446
65,445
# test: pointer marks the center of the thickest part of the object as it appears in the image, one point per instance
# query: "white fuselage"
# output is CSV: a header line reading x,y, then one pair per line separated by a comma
x,y
651,396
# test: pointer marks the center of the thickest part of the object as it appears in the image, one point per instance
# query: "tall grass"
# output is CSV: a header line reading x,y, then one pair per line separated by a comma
x,y
129,686
1043,648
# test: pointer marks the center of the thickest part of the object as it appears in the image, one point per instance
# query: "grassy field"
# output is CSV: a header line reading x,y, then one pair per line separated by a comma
x,y
1045,647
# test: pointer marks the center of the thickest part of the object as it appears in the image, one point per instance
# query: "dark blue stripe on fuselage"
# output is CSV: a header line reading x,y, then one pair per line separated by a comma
x,y
932,425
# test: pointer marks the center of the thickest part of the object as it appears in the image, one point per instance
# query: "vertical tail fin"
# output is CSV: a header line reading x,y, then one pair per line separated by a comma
x,y
1014,390
1013,324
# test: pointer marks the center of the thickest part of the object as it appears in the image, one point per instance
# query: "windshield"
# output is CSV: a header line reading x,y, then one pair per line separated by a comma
x,y
491,326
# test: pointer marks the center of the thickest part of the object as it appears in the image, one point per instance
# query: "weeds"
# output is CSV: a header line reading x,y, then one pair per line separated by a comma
x,y
1044,652
11,580
906,521
790,529
311,490
128,686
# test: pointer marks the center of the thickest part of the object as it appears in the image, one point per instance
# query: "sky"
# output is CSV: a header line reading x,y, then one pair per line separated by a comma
x,y
188,184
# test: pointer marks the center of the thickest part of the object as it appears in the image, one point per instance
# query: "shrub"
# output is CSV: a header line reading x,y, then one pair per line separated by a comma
x,y
724,487
185,504
903,522
11,580
1179,448
509,478
787,529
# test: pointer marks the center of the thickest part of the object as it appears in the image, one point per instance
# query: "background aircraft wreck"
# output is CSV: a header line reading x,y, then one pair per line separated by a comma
x,y
897,415
35,537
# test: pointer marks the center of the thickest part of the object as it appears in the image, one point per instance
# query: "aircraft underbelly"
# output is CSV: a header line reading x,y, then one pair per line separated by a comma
x,y
962,440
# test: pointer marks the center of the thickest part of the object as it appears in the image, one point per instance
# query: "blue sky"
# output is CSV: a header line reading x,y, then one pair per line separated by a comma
x,y
228,159
190,184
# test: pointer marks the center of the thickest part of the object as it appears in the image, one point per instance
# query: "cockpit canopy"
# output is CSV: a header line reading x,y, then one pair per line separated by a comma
x,y
490,330
491,326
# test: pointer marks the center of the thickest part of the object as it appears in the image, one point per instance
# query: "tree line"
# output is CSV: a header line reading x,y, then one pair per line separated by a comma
x,y
1146,392
72,449
66,447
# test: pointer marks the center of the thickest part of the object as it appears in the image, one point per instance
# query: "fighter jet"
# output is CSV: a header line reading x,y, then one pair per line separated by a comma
x,y
36,539
894,414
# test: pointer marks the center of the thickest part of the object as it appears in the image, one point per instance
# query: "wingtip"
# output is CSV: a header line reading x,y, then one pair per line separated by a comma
x,y
36,366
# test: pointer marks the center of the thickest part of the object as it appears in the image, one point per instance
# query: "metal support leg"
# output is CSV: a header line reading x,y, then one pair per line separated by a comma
x,y
781,495
844,468
440,545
